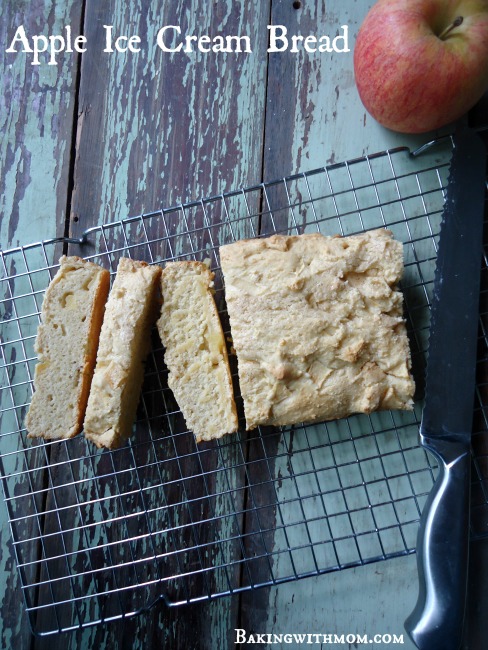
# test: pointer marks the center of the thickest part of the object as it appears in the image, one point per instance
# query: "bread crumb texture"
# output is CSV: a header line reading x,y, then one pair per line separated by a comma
x,y
131,311
66,347
317,325
195,351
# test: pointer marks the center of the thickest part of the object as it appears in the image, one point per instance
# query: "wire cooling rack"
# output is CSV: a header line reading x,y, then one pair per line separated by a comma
x,y
103,535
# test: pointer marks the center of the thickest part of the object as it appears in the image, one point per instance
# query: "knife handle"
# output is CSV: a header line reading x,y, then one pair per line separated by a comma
x,y
436,623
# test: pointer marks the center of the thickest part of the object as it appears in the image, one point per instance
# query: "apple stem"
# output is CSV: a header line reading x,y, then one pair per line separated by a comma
x,y
455,23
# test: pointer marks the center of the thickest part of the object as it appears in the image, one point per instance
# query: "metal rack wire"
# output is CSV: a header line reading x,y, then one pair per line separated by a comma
x,y
103,535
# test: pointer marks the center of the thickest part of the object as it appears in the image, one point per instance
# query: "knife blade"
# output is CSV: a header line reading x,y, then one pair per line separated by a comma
x,y
436,622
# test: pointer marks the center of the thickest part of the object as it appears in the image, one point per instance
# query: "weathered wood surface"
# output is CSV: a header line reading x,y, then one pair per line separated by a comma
x,y
325,123
152,130
36,122
151,134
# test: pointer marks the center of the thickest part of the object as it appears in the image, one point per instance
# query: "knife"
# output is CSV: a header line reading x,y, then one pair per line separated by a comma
x,y
436,622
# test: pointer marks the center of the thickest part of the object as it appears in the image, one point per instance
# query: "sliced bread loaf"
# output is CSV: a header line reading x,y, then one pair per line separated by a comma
x,y
66,346
195,354
317,325
131,310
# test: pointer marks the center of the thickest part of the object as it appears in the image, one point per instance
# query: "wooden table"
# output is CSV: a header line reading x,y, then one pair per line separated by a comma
x,y
105,135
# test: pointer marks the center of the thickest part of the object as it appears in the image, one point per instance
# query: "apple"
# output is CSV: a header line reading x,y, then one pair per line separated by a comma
x,y
421,64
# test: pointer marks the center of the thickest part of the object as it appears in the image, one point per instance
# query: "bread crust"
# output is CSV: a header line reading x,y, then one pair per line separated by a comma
x,y
195,350
317,325
66,345
130,313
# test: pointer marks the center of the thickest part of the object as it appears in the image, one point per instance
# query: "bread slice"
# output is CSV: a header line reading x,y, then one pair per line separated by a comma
x,y
131,310
195,354
66,346
317,325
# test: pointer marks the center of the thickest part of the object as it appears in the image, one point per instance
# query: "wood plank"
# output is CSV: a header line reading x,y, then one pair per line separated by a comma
x,y
328,125
154,130
166,128
325,125
36,124
476,626
37,120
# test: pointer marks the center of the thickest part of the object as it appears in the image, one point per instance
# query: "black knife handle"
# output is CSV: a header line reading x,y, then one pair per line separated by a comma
x,y
436,622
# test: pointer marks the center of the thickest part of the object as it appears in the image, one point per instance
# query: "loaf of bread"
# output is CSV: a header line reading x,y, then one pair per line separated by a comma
x,y
317,325
131,310
66,347
195,351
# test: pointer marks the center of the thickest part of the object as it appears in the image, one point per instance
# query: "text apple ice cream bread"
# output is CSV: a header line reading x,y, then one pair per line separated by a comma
x,y
317,325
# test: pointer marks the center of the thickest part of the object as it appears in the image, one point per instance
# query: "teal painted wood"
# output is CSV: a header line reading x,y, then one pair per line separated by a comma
x,y
36,120
314,115
315,118
154,130
36,123
165,128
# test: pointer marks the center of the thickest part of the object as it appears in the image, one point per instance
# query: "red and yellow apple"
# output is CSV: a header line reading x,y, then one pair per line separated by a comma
x,y
421,64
